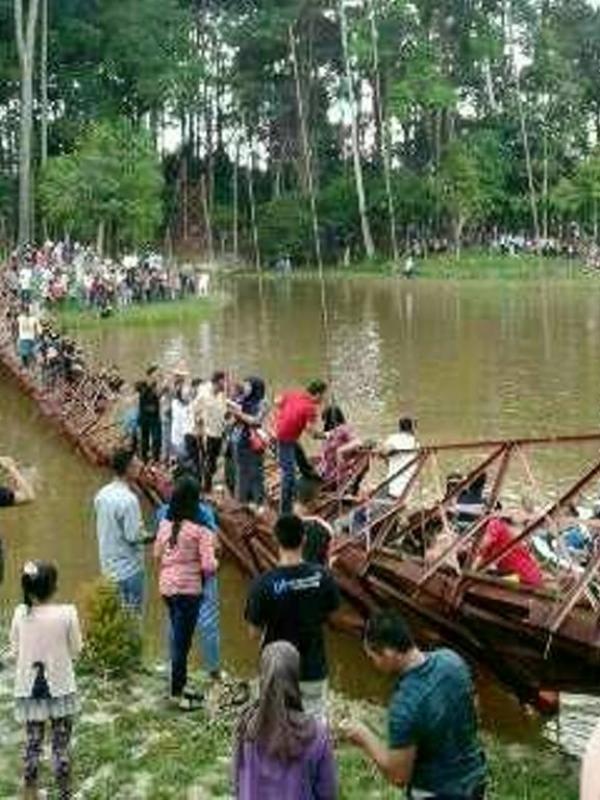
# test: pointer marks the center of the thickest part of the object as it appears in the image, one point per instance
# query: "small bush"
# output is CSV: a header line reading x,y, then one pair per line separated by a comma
x,y
113,642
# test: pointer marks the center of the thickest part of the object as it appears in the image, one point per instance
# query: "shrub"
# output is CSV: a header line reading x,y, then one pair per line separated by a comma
x,y
113,642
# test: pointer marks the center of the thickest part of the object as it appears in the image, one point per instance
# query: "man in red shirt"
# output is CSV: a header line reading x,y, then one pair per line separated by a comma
x,y
297,413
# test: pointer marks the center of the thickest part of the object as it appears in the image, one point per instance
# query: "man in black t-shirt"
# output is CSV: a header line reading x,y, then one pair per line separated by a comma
x,y
150,424
292,603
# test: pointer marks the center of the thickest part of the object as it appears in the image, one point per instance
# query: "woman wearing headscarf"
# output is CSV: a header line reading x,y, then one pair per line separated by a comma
x,y
281,752
250,442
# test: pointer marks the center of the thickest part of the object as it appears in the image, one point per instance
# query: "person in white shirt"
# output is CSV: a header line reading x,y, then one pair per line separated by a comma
x,y
210,413
45,638
399,450
182,416
26,282
28,332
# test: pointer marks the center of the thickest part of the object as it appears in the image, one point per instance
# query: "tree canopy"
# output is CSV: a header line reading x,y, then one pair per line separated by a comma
x,y
443,117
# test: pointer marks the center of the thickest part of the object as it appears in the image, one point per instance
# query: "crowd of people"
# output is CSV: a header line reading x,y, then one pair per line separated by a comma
x,y
57,272
284,743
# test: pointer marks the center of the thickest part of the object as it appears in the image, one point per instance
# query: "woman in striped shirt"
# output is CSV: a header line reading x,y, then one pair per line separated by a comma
x,y
186,555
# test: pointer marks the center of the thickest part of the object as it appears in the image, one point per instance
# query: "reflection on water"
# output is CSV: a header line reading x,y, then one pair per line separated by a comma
x,y
468,360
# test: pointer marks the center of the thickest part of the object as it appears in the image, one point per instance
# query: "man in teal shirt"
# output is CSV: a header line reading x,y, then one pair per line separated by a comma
x,y
433,748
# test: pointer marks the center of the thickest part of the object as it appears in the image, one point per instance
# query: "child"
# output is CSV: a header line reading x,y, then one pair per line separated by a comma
x,y
45,638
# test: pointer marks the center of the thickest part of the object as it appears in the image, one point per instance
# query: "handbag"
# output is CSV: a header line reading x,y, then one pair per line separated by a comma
x,y
259,440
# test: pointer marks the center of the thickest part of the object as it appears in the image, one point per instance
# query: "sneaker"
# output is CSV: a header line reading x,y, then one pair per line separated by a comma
x,y
187,704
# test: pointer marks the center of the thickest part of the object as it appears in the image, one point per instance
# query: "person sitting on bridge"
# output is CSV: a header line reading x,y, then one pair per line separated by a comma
x,y
519,563
334,463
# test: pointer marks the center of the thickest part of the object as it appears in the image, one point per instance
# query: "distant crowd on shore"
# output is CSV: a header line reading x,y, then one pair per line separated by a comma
x,y
58,272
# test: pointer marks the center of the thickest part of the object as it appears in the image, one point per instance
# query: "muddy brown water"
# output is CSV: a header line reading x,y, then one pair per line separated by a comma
x,y
469,360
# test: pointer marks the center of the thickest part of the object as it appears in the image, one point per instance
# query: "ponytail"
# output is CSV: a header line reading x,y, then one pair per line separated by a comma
x,y
38,582
184,506
175,528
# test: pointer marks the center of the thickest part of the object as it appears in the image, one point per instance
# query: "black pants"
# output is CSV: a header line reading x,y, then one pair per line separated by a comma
x,y
214,445
304,465
151,434
183,613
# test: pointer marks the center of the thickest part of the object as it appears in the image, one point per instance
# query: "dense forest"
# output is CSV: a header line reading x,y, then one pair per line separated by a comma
x,y
319,129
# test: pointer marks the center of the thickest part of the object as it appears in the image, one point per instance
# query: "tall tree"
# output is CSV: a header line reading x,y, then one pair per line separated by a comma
x,y
25,27
356,156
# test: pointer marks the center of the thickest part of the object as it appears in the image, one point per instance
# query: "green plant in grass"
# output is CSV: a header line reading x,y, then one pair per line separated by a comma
x,y
113,642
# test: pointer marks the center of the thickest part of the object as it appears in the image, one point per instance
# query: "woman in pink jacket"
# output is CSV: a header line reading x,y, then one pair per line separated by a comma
x,y
185,552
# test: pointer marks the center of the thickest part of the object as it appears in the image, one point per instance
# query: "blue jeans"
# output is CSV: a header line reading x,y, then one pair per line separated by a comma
x,y
183,613
287,468
131,592
208,625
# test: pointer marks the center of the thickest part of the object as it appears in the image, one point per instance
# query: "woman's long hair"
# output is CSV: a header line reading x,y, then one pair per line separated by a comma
x,y
184,505
277,721
251,402
332,418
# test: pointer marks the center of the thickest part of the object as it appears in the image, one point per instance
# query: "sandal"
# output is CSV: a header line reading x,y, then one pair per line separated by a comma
x,y
187,703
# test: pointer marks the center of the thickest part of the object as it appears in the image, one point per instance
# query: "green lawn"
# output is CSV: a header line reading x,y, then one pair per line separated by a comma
x,y
472,265
130,745
148,314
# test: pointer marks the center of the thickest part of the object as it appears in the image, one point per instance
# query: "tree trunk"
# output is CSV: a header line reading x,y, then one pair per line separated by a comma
x,y
545,189
100,238
25,36
207,219
459,224
523,125
44,86
252,200
358,173
307,151
236,191
383,126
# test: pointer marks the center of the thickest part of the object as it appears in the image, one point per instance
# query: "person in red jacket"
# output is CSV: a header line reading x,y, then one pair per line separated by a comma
x,y
519,561
297,413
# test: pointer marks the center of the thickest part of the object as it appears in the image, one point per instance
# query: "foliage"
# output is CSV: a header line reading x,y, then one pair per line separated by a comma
x,y
112,179
212,84
579,197
113,644
460,188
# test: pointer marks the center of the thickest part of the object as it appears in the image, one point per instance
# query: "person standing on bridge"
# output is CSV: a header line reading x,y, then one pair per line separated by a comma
x,y
150,422
433,748
297,413
121,534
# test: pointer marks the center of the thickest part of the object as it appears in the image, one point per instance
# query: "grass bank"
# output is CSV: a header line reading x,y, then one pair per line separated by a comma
x,y
470,266
129,745
147,315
